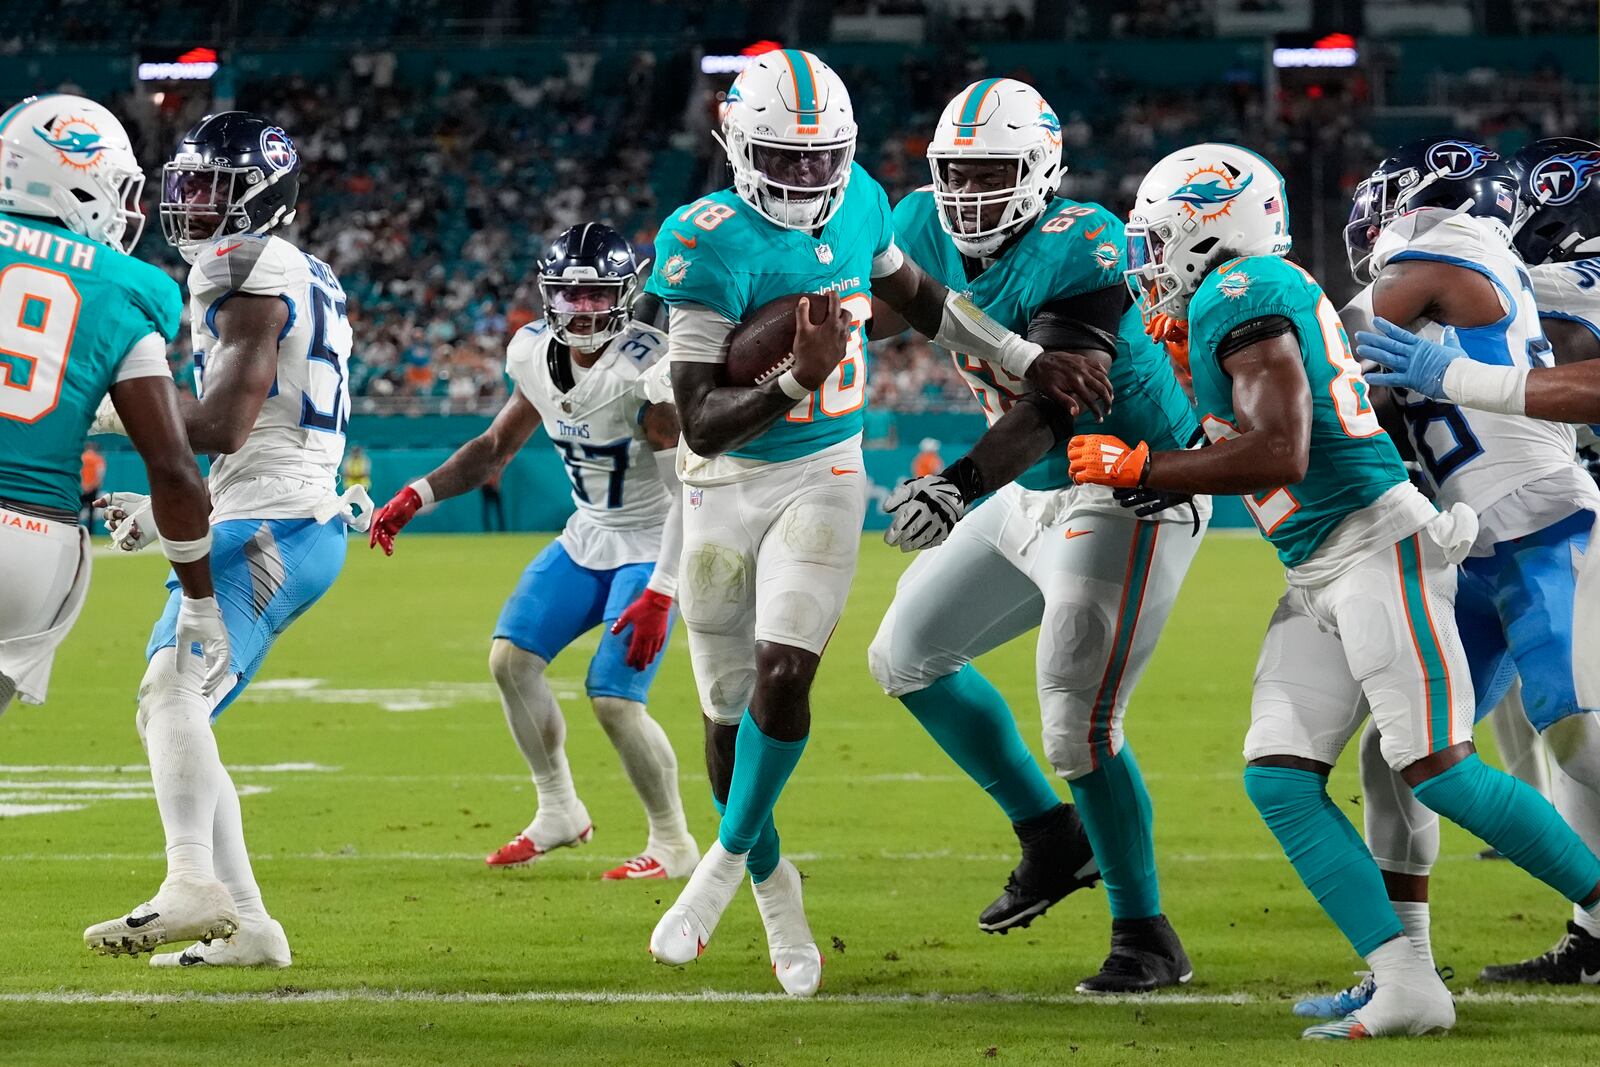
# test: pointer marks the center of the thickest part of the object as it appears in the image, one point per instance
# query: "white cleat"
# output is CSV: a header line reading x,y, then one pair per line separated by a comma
x,y
252,945
657,861
183,909
795,958
1411,1009
686,928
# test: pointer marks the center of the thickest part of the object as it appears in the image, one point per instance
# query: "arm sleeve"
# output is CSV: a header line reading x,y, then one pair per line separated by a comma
x,y
698,335
1085,322
664,579
1248,333
146,359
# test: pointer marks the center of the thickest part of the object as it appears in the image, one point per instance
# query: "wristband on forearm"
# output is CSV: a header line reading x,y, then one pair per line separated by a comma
x,y
791,386
1487,388
186,551
966,477
423,490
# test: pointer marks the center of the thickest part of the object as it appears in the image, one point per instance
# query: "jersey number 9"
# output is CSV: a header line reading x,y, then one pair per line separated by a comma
x,y
38,316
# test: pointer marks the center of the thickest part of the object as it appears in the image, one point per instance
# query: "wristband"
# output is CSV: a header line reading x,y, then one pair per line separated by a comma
x,y
423,490
1487,388
186,551
966,477
791,386
1016,354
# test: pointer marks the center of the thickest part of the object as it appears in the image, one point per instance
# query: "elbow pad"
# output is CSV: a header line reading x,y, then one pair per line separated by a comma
x,y
965,328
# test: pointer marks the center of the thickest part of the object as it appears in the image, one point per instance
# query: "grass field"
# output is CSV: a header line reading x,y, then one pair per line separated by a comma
x,y
379,773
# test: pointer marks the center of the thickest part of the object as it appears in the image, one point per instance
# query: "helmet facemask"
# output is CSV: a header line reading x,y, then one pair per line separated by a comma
x,y
983,200
796,186
586,313
201,202
1155,287
1378,201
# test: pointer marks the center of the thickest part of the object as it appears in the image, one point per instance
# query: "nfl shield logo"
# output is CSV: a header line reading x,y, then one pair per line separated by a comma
x,y
824,254
696,497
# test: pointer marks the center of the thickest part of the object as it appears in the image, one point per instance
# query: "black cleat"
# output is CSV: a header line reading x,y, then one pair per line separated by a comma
x,y
1056,861
1575,960
1145,955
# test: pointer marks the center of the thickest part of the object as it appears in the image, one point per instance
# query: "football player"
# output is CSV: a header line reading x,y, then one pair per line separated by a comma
x,y
69,216
776,493
271,352
1555,232
1095,578
596,381
1367,619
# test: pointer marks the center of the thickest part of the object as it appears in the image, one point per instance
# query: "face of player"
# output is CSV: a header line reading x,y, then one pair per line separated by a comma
x,y
584,306
197,201
981,186
799,170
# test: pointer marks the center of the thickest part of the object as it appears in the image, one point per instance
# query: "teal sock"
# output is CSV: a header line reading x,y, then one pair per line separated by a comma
x,y
969,719
1115,808
761,768
1513,818
1327,853
765,853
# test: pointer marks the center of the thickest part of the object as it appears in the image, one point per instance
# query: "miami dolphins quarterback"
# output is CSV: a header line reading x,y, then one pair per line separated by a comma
x,y
776,493
1097,579
1371,568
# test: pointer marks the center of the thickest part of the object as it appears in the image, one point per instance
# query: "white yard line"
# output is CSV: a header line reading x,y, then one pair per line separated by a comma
x,y
428,996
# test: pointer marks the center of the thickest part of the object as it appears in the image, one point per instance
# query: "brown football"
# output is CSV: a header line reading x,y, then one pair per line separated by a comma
x,y
759,347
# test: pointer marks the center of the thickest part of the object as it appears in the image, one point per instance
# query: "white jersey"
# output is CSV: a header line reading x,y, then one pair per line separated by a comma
x,y
1480,458
1569,291
592,417
288,468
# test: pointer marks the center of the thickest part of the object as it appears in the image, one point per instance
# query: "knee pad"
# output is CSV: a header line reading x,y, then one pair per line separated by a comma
x,y
728,697
163,691
1067,744
1574,744
1401,831
898,667
512,665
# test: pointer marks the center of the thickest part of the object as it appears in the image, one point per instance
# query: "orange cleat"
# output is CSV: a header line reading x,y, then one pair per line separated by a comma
x,y
520,850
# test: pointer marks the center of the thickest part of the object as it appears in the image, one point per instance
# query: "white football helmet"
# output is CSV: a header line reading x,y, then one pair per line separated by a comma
x,y
1194,204
995,120
790,135
67,158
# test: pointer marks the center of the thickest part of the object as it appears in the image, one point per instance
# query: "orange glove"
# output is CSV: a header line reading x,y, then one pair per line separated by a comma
x,y
1163,327
1100,459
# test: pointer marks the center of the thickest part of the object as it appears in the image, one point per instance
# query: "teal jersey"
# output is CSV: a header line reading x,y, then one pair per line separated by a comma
x,y
1071,248
1353,462
70,309
718,252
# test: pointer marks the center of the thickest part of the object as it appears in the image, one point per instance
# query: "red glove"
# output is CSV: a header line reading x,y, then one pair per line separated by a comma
x,y
650,616
1100,459
392,518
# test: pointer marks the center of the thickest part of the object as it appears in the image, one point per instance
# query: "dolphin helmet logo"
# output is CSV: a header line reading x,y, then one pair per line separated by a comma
x,y
75,139
1458,159
1209,192
1559,179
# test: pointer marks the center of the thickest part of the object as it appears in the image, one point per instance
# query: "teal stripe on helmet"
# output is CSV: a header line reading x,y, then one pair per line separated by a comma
x,y
805,85
969,110
5,120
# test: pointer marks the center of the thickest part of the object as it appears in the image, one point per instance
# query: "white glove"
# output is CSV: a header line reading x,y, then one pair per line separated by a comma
x,y
129,518
200,622
925,510
106,419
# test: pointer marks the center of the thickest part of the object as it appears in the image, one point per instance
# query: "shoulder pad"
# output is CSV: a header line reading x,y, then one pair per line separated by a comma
x,y
1439,232
258,265
689,268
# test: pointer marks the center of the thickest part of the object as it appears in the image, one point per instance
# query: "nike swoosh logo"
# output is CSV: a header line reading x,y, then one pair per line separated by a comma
x,y
136,921
224,251
187,960
1589,978
844,470
688,242
1089,235
1070,533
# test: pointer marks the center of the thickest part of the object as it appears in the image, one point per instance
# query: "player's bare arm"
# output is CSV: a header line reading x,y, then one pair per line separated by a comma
x,y
180,504
718,418
1076,380
468,468
661,427
1412,290
1273,401
1571,342
238,373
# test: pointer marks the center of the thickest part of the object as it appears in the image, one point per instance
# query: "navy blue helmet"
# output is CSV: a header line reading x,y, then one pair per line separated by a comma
x,y
1446,172
234,173
1559,179
588,279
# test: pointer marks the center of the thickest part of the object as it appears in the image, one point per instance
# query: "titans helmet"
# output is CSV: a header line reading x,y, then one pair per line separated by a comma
x,y
1559,179
234,173
588,279
1434,172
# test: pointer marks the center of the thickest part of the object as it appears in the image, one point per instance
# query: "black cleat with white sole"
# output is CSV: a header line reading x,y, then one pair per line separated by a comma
x,y
1575,960
1145,955
1056,860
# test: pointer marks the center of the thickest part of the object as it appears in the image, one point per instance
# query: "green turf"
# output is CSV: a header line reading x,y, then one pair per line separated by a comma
x,y
375,867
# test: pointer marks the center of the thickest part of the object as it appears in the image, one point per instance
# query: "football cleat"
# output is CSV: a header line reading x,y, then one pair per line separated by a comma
x,y
1574,960
1056,860
686,928
1402,1010
544,835
183,909
1145,955
657,862
796,960
252,945
1338,1005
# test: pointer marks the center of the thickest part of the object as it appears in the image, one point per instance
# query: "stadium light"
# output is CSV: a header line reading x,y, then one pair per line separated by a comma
x,y
1334,50
733,64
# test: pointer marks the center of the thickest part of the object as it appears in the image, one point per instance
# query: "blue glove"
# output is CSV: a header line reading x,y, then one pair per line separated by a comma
x,y
1413,363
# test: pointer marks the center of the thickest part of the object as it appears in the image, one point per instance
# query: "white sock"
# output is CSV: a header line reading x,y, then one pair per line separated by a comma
x,y
1395,962
536,724
1521,749
231,860
1588,919
184,766
1414,917
650,763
